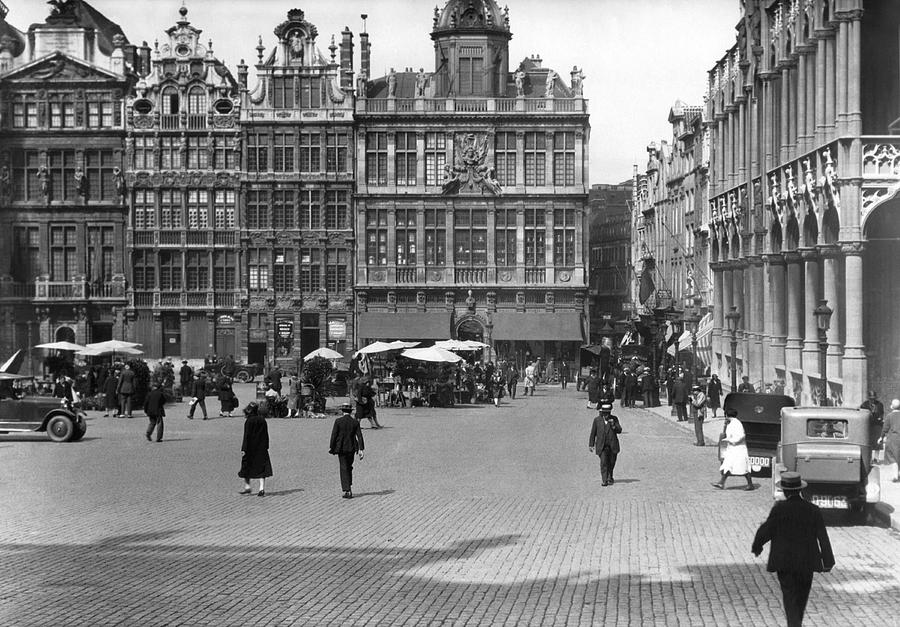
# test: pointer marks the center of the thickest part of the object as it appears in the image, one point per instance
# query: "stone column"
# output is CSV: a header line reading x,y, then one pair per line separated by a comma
x,y
854,363
854,113
841,69
785,116
520,160
776,309
810,327
820,92
757,305
830,254
831,78
801,104
742,144
420,160
794,346
727,303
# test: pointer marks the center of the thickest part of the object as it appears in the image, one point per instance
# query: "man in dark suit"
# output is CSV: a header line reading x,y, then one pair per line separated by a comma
x,y
800,545
185,377
680,395
198,395
125,391
346,441
154,407
605,441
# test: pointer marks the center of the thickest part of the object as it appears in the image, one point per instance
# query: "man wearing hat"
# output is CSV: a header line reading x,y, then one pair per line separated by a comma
x,y
346,441
800,545
604,441
185,376
698,408
198,395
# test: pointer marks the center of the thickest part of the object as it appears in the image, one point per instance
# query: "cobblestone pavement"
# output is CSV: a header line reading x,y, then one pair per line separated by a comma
x,y
466,516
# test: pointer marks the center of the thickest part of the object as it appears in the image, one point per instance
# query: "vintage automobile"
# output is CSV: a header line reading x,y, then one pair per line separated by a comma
x,y
58,418
243,373
831,448
761,416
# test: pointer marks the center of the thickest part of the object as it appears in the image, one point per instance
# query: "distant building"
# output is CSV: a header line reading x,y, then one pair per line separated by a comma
x,y
472,195
610,256
62,186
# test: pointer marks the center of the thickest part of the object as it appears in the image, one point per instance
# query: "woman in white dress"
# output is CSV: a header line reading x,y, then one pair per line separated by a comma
x,y
735,460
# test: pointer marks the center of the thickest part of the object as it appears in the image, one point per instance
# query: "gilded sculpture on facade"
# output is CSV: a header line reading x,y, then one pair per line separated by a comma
x,y
470,171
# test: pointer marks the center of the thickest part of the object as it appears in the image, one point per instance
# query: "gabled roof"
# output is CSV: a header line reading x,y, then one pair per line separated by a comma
x,y
60,66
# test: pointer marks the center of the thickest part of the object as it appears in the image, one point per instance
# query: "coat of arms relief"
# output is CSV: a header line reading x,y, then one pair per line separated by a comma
x,y
470,172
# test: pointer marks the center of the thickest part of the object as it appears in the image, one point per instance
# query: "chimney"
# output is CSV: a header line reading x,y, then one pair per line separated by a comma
x,y
242,75
365,52
346,59
144,53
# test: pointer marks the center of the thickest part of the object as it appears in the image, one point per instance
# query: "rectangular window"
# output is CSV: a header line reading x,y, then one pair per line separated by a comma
x,y
196,270
224,152
406,237
62,111
564,158
26,261
535,237
435,237
283,211
143,269
336,210
471,74
143,153
170,265
310,93
224,209
100,107
198,152
283,269
435,158
505,158
376,237
170,209
336,269
257,209
101,253
505,237
470,233
376,158
61,164
283,160
564,237
283,92
198,209
310,269
144,215
258,268
310,209
257,152
405,159
336,151
170,153
224,270
24,111
26,184
535,159
63,252
98,167
310,152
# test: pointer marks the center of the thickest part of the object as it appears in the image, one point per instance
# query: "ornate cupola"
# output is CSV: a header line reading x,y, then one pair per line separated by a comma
x,y
471,45
297,41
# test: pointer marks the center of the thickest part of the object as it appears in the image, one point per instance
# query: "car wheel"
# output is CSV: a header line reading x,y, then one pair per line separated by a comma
x,y
243,376
60,428
80,430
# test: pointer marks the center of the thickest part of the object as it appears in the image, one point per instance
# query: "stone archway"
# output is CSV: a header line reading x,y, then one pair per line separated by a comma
x,y
65,334
881,325
470,329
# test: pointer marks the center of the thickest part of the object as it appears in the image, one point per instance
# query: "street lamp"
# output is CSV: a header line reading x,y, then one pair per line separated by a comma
x,y
733,318
693,322
677,330
823,321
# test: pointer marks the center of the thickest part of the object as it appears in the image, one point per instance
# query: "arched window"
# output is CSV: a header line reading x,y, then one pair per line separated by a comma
x,y
197,101
171,103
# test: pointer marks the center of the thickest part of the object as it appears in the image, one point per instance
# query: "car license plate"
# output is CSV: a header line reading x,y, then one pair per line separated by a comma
x,y
762,462
830,502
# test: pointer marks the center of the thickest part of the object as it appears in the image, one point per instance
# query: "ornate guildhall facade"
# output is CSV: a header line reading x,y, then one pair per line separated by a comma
x,y
804,173
472,195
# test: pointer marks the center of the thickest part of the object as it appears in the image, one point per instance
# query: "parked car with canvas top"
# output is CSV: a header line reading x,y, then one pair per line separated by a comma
x,y
761,416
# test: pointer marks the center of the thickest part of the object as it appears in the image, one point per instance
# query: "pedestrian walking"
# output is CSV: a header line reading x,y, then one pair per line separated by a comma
x,y
698,408
154,407
593,390
714,394
679,398
890,437
255,462
110,396
736,460
185,377
604,441
876,417
365,403
647,385
198,395
530,377
293,396
497,387
799,546
225,392
512,380
125,391
745,386
346,441
629,388
564,373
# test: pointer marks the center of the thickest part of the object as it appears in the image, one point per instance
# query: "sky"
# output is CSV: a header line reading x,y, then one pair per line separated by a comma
x,y
638,56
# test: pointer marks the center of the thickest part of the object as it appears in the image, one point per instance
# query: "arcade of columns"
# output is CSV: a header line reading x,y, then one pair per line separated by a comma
x,y
785,200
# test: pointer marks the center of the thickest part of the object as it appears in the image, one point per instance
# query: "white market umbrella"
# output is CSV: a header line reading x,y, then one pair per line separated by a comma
x,y
383,347
432,353
325,353
13,364
61,346
92,351
461,345
399,344
113,345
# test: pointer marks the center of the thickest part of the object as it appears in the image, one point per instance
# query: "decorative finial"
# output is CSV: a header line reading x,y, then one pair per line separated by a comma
x,y
364,17
333,48
260,48
183,11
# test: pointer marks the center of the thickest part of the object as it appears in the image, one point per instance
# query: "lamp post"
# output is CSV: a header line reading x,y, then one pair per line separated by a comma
x,y
693,321
677,330
733,318
823,321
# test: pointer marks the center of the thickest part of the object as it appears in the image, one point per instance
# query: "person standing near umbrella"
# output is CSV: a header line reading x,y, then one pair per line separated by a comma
x,y
125,391
255,462
365,403
497,385
110,395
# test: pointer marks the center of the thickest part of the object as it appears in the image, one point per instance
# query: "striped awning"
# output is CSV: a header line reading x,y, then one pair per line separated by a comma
x,y
704,340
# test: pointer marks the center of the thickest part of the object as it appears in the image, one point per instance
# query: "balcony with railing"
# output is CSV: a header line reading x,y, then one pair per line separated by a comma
x,y
13,290
169,122
171,238
63,291
172,299
471,276
472,105
197,238
406,275
535,275
224,238
196,121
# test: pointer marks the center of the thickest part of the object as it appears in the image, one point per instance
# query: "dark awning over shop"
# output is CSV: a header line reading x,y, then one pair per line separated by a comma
x,y
565,327
403,326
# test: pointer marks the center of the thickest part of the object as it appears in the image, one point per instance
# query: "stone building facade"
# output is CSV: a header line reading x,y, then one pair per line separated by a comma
x,y
182,162
609,236
804,174
472,195
62,191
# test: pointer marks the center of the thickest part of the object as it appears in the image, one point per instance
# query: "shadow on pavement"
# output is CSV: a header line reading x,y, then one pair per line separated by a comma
x,y
357,495
284,492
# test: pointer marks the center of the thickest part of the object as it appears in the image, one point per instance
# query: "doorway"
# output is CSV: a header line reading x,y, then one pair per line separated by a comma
x,y
256,352
881,325
171,331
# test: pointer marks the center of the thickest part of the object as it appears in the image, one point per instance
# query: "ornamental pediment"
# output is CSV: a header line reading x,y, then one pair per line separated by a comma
x,y
60,68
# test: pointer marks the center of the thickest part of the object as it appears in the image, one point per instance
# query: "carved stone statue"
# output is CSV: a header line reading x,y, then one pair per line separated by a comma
x,y
119,179
5,186
470,302
421,81
577,81
80,182
519,76
362,81
392,84
43,175
470,170
551,83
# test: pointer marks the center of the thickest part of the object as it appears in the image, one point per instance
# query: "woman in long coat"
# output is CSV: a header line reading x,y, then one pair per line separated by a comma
x,y
736,459
890,435
255,463
713,393
226,396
